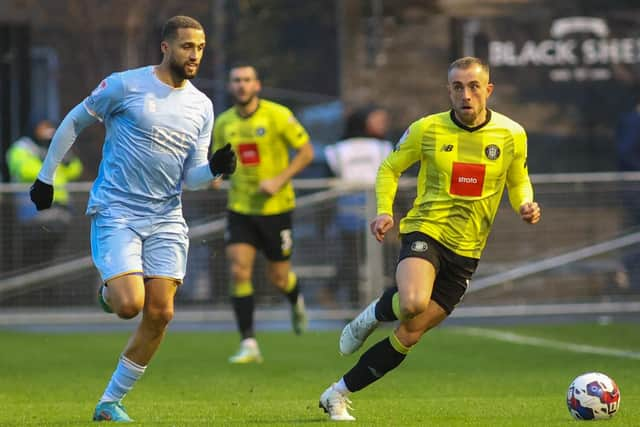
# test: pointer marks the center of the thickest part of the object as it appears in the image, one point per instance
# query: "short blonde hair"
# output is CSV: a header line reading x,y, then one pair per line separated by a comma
x,y
468,61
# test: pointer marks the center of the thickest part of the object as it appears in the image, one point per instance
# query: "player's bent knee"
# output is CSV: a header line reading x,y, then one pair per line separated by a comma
x,y
127,306
413,307
160,316
240,274
128,310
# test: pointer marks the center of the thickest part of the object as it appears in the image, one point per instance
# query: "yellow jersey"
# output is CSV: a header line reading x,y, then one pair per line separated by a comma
x,y
461,180
261,142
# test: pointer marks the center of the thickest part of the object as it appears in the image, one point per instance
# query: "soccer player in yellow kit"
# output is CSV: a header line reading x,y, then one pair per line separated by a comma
x,y
466,156
261,199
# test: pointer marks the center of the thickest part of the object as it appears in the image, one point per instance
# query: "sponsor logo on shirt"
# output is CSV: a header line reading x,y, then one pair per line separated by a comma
x,y
249,154
261,131
165,140
467,179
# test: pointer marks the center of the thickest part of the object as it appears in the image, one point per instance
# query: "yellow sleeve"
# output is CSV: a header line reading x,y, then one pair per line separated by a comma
x,y
406,153
291,129
518,182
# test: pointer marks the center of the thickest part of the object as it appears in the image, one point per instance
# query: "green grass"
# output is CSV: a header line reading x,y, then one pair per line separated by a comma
x,y
449,379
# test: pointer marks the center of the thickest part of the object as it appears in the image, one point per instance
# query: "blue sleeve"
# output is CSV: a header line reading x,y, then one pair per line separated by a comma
x,y
196,168
74,122
106,98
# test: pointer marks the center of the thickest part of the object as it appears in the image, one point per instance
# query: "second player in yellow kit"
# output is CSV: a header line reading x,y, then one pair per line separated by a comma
x,y
467,156
261,199
261,142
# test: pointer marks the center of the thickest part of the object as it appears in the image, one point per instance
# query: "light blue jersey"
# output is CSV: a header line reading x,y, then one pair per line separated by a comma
x,y
154,134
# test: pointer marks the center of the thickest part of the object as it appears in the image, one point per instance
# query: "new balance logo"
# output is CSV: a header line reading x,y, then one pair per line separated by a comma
x,y
447,148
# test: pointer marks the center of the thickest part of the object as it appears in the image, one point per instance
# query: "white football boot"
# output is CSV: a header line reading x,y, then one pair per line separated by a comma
x,y
356,332
249,352
336,405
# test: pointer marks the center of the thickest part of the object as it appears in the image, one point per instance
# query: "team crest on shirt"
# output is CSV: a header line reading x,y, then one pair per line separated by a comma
x,y
261,131
492,152
419,246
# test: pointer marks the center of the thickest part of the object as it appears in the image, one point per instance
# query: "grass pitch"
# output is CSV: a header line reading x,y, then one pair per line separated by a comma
x,y
449,379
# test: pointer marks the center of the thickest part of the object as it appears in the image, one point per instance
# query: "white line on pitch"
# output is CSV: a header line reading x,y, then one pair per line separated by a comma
x,y
547,343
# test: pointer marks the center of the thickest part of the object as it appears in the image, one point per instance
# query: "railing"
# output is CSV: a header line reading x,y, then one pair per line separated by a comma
x,y
584,250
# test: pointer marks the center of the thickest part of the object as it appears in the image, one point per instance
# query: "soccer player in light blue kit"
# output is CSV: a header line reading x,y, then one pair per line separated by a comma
x,y
158,130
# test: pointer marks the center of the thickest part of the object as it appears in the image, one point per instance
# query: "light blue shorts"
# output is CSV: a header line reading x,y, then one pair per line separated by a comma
x,y
153,246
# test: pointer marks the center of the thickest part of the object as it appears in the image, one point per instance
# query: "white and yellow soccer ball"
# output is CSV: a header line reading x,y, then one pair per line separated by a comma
x,y
593,396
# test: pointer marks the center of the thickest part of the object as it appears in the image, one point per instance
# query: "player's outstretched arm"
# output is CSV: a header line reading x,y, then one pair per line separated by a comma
x,y
76,120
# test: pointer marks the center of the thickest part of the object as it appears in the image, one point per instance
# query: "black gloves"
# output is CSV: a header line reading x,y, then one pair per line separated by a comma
x,y
223,161
41,195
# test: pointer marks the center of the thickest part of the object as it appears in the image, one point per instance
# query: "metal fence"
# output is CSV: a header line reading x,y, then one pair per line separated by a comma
x,y
586,249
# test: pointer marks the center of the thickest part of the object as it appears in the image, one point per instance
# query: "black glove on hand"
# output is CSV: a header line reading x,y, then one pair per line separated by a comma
x,y
41,195
223,161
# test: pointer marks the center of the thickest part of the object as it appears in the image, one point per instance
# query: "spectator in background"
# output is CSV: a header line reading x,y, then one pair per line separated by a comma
x,y
628,151
24,159
355,159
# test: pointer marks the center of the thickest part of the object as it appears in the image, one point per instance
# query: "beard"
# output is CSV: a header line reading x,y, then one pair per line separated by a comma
x,y
180,70
466,116
245,101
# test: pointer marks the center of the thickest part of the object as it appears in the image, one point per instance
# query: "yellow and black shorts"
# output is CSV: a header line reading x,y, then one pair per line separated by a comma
x,y
453,271
270,234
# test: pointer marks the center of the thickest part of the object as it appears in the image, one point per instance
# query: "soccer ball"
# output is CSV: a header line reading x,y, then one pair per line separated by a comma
x,y
593,396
